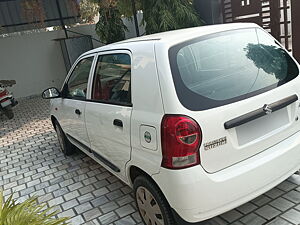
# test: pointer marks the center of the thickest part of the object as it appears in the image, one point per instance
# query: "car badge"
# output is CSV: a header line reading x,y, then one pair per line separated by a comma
x,y
215,143
147,137
267,109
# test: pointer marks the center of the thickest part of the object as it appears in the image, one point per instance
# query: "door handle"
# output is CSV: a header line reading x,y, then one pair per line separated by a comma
x,y
77,111
118,123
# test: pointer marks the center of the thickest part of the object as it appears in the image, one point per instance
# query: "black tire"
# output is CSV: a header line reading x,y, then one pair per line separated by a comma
x,y
142,182
65,145
8,112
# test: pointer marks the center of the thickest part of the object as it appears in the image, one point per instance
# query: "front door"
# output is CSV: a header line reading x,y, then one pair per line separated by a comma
x,y
73,103
108,112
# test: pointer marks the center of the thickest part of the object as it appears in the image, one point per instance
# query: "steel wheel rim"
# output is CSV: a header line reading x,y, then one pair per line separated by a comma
x,y
148,207
60,138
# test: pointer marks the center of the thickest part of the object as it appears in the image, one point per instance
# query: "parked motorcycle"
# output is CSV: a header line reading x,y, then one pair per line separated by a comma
x,y
7,101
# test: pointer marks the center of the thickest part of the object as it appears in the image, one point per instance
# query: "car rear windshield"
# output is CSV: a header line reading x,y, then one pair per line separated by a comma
x,y
230,66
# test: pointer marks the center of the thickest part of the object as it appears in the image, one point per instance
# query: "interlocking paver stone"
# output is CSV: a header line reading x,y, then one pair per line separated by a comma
x,y
125,221
83,207
231,215
253,219
279,221
70,204
125,210
247,208
92,214
261,200
274,193
268,212
99,201
68,213
85,198
292,216
56,201
286,186
282,204
85,191
108,207
108,218
71,195
293,196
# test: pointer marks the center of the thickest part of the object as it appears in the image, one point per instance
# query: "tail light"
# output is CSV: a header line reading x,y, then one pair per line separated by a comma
x,y
181,139
3,93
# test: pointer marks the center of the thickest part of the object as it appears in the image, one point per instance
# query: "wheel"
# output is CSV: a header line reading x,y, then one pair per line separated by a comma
x,y
8,112
151,203
65,145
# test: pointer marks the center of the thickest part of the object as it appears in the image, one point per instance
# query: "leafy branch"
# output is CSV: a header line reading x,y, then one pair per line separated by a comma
x,y
27,213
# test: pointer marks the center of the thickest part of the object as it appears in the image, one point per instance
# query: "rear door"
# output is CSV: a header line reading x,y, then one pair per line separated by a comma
x,y
108,112
72,107
242,89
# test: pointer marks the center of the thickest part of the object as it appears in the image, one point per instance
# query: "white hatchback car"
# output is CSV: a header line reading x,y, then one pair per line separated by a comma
x,y
198,121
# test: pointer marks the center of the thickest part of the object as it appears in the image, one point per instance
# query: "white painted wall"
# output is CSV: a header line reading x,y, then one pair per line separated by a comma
x,y
33,60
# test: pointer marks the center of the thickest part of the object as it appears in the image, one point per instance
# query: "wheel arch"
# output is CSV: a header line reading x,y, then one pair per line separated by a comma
x,y
135,171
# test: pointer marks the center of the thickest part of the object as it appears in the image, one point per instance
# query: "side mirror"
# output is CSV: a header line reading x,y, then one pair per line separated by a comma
x,y
51,93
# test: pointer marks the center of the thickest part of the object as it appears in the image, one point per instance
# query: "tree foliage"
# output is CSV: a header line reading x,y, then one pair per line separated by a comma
x,y
165,15
27,213
269,58
88,11
110,27
33,11
158,16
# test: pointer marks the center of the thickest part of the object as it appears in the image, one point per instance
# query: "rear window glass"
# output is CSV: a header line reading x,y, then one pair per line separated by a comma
x,y
226,67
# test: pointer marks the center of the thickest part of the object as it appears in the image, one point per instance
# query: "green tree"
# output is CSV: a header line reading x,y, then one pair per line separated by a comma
x,y
270,58
110,27
88,11
158,16
165,15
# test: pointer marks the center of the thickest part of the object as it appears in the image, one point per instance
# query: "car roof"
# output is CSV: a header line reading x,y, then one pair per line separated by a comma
x,y
175,36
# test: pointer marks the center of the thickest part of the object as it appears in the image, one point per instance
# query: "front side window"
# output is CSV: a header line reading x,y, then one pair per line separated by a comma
x,y
78,81
112,79
227,67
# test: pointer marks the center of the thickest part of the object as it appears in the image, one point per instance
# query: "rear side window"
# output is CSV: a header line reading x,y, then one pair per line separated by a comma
x,y
227,67
112,81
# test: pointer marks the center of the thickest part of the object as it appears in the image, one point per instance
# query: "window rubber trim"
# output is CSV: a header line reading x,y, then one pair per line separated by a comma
x,y
99,101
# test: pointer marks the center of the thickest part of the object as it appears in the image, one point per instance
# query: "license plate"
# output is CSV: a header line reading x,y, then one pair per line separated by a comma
x,y
262,126
6,103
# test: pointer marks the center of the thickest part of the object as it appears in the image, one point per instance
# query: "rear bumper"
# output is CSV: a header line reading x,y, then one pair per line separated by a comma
x,y
196,195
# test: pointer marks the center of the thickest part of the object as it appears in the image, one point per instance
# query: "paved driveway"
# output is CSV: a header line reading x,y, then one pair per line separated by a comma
x,y
31,164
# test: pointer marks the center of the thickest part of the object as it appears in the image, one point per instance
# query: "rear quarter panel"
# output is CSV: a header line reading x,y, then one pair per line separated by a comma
x,y
147,106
